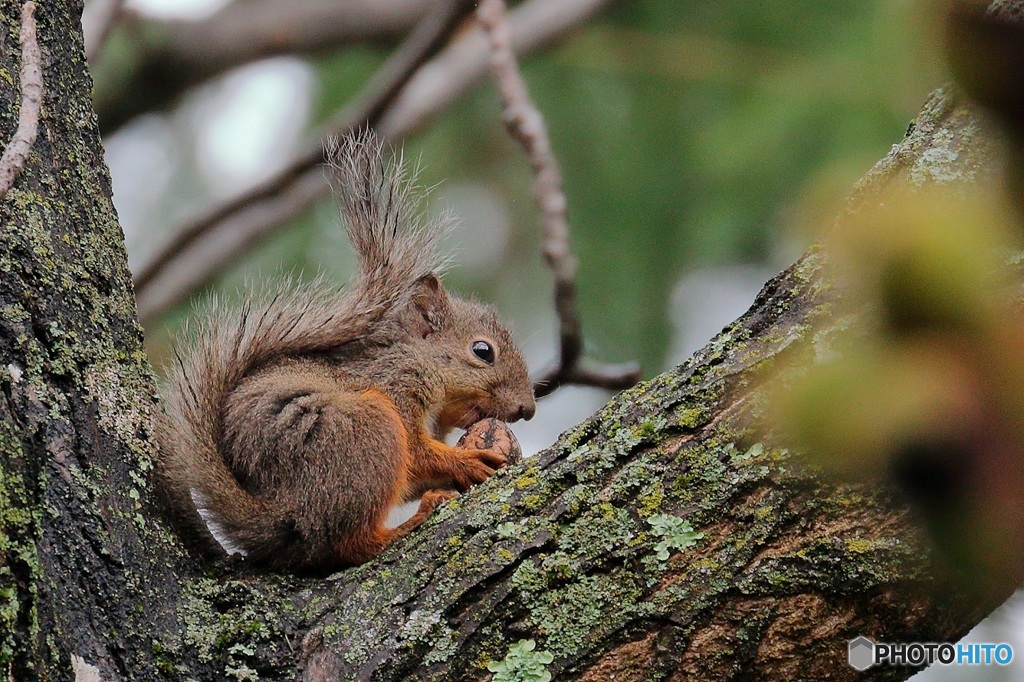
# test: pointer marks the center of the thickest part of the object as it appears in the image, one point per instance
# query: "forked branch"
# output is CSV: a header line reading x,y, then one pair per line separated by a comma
x,y
526,125
425,41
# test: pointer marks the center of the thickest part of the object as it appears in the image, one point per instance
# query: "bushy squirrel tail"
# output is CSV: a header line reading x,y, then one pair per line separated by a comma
x,y
395,244
382,207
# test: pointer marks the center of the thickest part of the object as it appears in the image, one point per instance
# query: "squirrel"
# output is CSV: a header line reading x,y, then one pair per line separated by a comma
x,y
292,424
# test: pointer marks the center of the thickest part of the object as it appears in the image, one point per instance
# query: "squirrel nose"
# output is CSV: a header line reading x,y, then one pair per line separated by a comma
x,y
526,412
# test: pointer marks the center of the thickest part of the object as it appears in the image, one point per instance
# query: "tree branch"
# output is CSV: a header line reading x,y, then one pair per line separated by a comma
x,y
239,223
24,137
169,57
204,246
534,24
526,125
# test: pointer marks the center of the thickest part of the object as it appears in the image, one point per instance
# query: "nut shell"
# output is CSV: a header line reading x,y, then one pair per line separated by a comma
x,y
492,434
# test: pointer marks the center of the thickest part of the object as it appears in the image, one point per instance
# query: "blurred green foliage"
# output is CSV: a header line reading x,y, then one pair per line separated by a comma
x,y
688,134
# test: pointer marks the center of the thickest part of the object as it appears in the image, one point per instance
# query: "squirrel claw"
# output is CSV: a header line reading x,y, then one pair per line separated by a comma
x,y
492,458
478,466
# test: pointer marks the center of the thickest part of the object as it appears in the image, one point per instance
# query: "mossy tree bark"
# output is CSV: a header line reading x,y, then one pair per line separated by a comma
x,y
85,570
583,549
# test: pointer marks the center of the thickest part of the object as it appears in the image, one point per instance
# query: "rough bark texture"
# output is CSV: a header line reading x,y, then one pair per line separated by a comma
x,y
83,568
580,548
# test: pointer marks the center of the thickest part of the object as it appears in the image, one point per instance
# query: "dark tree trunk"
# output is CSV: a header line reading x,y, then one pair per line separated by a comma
x,y
85,569
580,549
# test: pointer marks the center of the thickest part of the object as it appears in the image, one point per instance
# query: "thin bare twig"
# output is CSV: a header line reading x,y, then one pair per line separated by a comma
x,y
426,40
434,86
526,125
535,24
31,100
97,20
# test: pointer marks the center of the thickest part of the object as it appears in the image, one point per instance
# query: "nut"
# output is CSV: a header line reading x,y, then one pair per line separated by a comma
x,y
492,434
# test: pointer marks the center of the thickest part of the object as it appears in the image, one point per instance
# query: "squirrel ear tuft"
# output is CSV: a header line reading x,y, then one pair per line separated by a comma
x,y
429,303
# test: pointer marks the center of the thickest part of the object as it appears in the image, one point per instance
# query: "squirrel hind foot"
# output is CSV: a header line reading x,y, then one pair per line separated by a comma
x,y
357,549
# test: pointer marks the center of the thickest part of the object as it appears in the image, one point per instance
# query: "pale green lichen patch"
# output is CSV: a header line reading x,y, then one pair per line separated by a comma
x,y
651,499
239,626
689,416
121,413
572,616
859,545
939,163
599,531
418,625
674,533
523,663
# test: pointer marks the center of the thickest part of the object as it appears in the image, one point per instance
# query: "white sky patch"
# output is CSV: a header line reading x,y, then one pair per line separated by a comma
x,y
177,9
705,301
253,120
482,224
84,672
141,159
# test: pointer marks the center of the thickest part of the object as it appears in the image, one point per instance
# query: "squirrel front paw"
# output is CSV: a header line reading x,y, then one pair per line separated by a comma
x,y
476,466
487,446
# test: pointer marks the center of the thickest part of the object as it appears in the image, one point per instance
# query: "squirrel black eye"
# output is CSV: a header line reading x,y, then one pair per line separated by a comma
x,y
483,350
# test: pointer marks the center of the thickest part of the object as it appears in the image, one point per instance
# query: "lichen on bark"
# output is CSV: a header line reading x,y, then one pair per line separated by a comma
x,y
77,390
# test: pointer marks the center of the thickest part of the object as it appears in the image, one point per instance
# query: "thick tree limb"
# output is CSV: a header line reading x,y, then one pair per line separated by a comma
x,y
563,550
225,232
76,400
